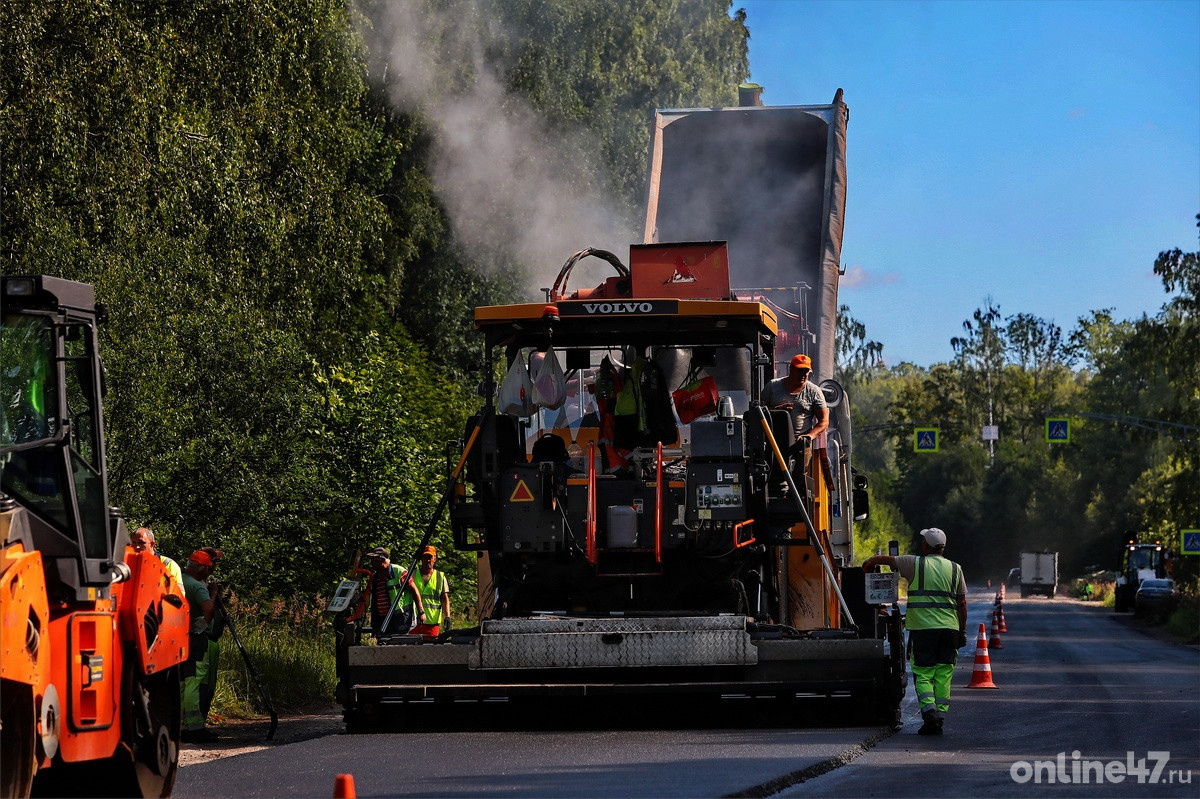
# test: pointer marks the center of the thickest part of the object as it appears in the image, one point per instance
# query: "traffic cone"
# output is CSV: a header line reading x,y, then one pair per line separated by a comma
x,y
343,787
981,677
1003,626
1001,593
995,643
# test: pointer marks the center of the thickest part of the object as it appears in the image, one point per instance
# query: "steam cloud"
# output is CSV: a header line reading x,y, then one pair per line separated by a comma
x,y
858,277
514,191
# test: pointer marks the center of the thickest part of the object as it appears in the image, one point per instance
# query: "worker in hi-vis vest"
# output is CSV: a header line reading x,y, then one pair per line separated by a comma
x,y
434,590
936,619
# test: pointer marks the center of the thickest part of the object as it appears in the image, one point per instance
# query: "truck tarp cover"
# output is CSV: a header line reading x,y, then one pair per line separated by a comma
x,y
769,180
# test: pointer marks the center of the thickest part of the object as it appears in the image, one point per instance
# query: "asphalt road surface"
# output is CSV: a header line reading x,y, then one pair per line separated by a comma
x,y
1071,678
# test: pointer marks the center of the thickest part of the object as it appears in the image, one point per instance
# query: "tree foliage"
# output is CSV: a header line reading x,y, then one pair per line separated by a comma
x,y
606,66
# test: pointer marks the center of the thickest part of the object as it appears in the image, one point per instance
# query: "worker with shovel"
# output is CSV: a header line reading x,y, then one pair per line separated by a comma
x,y
202,603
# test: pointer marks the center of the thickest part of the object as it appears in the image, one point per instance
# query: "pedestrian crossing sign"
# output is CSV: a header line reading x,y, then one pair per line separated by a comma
x,y
1058,430
925,439
1191,542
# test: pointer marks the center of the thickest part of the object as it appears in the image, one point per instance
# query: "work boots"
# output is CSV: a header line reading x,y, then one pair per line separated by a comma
x,y
932,725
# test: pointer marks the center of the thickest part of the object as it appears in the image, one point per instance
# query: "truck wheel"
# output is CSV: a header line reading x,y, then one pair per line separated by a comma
x,y
18,739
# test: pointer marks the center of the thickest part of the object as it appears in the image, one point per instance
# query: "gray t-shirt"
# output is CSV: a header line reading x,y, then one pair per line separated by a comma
x,y
804,402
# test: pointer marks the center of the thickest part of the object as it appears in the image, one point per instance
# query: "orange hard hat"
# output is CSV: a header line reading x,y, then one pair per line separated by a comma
x,y
202,557
802,361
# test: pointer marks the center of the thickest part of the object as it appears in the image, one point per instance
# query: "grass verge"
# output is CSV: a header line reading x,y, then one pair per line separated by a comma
x,y
290,647
1184,621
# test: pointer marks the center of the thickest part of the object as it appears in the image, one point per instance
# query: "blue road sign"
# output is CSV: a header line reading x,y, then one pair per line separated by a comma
x,y
1191,542
1058,430
925,439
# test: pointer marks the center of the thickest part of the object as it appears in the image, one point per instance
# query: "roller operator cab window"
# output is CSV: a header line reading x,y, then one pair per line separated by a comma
x,y
27,390
32,460
33,468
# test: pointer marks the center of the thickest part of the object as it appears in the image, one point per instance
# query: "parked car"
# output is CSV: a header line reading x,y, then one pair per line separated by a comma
x,y
1014,577
1154,593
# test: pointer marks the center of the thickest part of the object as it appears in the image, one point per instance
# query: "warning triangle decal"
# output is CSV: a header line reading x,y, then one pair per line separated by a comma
x,y
521,493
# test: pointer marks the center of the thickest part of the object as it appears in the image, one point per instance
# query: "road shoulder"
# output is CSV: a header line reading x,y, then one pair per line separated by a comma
x,y
240,736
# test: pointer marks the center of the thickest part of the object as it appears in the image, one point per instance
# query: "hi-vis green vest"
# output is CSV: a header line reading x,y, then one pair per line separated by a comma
x,y
395,577
933,594
431,591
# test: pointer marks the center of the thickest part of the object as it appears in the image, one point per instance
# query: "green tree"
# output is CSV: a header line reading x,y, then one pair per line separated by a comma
x,y
604,66
215,170
884,525
388,417
855,354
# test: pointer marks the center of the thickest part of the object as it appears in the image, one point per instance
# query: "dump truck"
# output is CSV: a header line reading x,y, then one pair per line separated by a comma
x,y
643,524
1039,573
92,634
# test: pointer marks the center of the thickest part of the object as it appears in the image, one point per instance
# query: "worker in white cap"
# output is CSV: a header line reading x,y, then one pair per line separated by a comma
x,y
936,619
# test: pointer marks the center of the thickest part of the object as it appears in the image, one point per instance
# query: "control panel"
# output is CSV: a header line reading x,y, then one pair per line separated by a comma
x,y
716,493
719,495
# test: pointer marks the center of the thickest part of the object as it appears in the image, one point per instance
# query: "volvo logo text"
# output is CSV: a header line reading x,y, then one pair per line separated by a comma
x,y
618,307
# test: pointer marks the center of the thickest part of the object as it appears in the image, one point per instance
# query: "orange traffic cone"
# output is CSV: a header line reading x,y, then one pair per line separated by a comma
x,y
1001,593
995,643
1003,626
343,787
981,677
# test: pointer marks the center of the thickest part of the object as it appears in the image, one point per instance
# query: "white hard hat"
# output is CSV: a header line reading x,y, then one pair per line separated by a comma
x,y
934,537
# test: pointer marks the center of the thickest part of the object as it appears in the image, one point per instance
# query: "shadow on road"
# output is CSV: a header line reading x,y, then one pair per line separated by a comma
x,y
655,713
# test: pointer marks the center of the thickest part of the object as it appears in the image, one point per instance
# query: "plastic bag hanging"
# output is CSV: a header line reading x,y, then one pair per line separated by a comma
x,y
698,398
549,383
516,392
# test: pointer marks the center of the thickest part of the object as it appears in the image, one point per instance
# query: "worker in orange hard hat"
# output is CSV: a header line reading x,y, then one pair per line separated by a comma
x,y
200,670
434,588
799,397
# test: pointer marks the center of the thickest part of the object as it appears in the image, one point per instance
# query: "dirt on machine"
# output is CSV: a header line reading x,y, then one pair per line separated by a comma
x,y
643,523
92,633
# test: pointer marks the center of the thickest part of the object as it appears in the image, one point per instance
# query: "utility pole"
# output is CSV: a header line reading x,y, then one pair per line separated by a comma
x,y
991,441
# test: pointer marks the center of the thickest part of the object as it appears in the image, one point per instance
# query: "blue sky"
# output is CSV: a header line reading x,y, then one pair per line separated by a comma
x,y
1038,153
